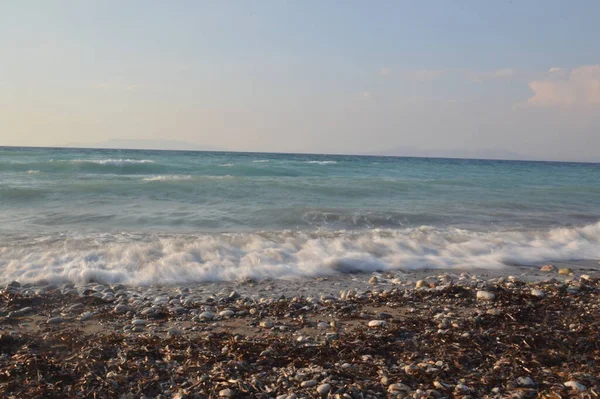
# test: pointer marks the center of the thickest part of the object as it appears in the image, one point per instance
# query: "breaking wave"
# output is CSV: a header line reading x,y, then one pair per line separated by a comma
x,y
180,259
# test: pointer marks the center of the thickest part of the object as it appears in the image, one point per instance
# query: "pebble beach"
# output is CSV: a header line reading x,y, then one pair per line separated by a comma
x,y
406,335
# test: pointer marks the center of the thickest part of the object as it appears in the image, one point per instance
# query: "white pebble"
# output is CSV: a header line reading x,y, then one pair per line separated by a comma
x,y
485,296
575,385
377,323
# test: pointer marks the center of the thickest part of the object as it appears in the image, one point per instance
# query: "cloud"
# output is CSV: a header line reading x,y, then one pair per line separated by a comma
x,y
579,87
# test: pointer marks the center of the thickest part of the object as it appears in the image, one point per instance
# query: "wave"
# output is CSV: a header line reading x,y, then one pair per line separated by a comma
x,y
32,172
261,161
226,165
183,259
322,162
168,178
112,162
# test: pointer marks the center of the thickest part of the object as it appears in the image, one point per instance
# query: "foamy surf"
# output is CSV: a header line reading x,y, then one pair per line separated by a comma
x,y
182,259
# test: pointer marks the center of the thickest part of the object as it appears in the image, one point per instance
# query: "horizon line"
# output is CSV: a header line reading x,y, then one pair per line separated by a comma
x,y
301,153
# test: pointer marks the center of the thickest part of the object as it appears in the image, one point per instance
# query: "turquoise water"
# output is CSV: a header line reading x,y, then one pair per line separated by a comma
x,y
152,216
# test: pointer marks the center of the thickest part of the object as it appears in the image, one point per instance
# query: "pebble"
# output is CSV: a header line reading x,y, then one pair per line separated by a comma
x,y
525,381
398,388
485,296
565,271
226,393
462,388
373,280
547,268
538,293
377,323
227,313
121,308
138,322
86,316
323,389
309,384
55,320
266,324
575,385
421,284
206,316
323,326
173,332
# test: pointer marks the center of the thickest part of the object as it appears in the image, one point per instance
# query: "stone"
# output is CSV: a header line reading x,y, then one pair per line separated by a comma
x,y
547,268
575,385
322,325
173,332
377,323
565,271
55,320
266,324
138,322
538,293
309,384
373,280
121,308
206,316
227,313
525,382
398,388
485,296
323,389
226,393
86,316
421,284
462,388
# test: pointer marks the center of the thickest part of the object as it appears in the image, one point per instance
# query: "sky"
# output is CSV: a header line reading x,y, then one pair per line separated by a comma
x,y
304,75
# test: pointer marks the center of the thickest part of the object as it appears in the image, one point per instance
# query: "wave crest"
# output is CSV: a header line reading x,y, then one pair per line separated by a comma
x,y
177,259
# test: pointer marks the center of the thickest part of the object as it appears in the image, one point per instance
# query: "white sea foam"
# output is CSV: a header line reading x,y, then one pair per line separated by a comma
x,y
112,162
168,178
322,162
262,161
226,165
179,259
33,172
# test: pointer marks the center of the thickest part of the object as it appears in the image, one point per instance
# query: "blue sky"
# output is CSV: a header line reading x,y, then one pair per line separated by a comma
x,y
308,76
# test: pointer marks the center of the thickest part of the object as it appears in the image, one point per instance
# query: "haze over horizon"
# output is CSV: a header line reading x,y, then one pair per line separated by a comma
x,y
431,77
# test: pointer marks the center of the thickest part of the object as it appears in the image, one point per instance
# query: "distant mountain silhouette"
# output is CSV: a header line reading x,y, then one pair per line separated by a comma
x,y
453,153
146,145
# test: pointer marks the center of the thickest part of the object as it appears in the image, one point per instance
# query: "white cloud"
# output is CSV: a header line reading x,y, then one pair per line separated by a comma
x,y
554,70
579,87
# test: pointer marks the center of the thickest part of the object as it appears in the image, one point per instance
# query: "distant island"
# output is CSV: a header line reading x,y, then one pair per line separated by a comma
x,y
159,144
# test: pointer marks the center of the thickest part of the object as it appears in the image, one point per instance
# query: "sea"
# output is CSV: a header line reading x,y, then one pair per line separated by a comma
x,y
181,217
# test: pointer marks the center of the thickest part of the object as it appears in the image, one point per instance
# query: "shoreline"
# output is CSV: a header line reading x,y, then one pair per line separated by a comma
x,y
415,334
